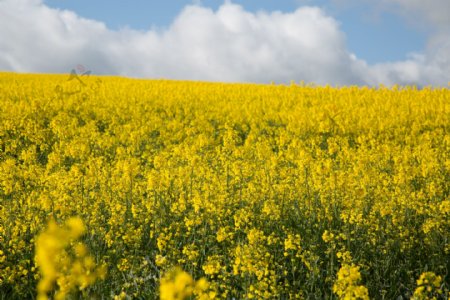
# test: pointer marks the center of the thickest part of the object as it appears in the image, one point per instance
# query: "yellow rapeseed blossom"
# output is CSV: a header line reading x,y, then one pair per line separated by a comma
x,y
179,285
61,267
347,284
268,191
428,287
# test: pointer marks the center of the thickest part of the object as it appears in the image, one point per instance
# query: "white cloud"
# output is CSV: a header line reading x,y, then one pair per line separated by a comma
x,y
435,12
229,44
432,67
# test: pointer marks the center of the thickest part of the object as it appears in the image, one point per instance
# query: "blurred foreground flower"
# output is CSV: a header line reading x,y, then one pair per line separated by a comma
x,y
179,285
64,261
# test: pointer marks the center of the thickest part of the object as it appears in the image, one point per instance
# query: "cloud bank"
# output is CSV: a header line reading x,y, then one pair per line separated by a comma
x,y
229,44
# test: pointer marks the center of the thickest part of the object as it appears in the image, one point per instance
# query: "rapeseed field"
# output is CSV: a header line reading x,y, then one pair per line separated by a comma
x,y
115,188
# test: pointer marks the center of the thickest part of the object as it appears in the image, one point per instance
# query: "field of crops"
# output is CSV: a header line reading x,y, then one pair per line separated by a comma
x,y
121,188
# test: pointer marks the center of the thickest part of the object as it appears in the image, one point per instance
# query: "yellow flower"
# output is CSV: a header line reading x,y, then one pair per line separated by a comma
x,y
58,266
212,265
428,286
160,260
327,236
346,285
179,285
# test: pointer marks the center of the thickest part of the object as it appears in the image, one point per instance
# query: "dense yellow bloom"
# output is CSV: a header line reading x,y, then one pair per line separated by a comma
x,y
266,191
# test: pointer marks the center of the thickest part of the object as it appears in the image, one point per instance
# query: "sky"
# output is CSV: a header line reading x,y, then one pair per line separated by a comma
x,y
335,42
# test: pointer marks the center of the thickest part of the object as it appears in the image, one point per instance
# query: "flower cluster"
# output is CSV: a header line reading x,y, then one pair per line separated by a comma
x,y
63,260
428,287
179,285
346,285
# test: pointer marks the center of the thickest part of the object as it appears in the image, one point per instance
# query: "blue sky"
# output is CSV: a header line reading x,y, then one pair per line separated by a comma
x,y
325,42
373,36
